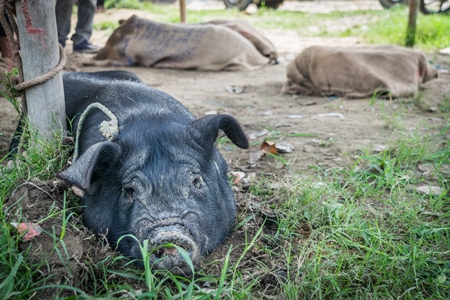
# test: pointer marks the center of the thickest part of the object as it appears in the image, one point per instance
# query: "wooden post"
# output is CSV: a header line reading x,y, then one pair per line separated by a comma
x,y
411,30
183,11
40,53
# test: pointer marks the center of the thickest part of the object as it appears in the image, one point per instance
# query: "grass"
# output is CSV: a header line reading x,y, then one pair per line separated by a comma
x,y
371,236
389,27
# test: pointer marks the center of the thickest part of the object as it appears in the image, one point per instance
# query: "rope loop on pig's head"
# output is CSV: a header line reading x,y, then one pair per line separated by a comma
x,y
109,129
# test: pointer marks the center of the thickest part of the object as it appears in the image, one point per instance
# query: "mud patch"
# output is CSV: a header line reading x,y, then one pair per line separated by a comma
x,y
61,253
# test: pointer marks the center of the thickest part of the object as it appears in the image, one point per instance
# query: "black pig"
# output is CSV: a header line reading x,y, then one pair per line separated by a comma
x,y
160,179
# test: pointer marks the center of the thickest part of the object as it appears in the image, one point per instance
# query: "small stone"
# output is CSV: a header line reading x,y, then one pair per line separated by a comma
x,y
249,178
295,117
445,51
318,185
265,113
332,115
378,148
429,190
426,168
255,156
233,89
284,147
258,134
78,192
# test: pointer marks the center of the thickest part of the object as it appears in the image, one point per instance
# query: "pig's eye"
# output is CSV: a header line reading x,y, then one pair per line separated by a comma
x,y
197,182
128,194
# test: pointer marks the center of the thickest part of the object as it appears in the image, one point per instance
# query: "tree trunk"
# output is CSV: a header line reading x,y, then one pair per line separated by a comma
x,y
40,53
411,30
183,11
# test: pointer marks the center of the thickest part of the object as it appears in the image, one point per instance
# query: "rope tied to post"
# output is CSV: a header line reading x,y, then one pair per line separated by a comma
x,y
43,78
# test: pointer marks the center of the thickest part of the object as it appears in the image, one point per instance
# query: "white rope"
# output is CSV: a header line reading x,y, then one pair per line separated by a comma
x,y
109,129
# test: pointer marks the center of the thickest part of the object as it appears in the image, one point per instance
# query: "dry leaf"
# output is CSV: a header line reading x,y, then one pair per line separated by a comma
x,y
269,147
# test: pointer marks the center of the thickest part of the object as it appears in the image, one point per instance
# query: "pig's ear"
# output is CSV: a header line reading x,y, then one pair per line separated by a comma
x,y
209,126
80,173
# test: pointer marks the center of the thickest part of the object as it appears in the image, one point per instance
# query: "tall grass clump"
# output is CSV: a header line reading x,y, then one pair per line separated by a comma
x,y
130,4
366,231
42,160
389,27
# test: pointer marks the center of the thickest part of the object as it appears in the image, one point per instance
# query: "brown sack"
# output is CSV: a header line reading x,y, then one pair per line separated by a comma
x,y
244,28
358,72
205,47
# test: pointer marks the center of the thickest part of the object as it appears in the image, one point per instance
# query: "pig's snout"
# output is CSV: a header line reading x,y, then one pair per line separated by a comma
x,y
168,257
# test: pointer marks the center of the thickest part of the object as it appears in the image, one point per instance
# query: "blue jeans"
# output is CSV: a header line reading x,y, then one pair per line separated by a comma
x,y
83,30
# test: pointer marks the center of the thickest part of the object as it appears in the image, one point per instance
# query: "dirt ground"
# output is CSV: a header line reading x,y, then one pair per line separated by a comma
x,y
337,129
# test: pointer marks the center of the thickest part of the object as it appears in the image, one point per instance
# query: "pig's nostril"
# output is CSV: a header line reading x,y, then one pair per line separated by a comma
x,y
159,253
170,251
165,251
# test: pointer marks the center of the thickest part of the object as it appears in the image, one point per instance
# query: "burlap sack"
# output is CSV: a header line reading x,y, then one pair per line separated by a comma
x,y
244,28
182,46
358,72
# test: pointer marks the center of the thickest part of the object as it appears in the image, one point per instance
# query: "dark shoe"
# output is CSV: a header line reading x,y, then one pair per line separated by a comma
x,y
100,9
85,47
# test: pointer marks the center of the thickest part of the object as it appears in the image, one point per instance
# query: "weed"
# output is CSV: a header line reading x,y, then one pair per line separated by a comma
x,y
301,134
445,105
390,28
131,4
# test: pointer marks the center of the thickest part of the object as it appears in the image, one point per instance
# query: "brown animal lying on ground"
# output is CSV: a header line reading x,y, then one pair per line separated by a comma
x,y
214,46
358,72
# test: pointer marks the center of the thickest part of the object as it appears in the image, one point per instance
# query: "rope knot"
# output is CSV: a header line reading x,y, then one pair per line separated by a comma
x,y
109,129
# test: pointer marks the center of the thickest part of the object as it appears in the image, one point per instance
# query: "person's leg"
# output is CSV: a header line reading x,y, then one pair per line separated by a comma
x,y
83,30
4,47
4,43
63,10
100,6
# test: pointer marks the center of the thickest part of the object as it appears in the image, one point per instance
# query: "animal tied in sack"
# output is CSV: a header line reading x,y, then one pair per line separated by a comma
x,y
358,72
213,46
